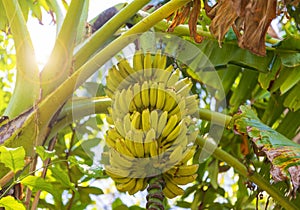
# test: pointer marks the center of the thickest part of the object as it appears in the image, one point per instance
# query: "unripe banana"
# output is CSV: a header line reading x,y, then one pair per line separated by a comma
x,y
145,94
154,120
138,61
116,172
187,170
153,94
123,63
122,148
146,121
156,60
137,95
162,63
171,186
138,143
147,66
139,185
173,78
170,101
119,161
136,120
127,123
162,122
151,118
123,187
169,126
160,96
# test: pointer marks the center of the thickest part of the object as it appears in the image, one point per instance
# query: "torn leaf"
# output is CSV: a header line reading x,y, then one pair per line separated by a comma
x,y
283,153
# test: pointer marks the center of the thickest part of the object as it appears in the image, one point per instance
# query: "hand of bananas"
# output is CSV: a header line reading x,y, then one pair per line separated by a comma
x,y
151,116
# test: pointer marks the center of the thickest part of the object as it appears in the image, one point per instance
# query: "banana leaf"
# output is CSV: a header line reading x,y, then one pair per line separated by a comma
x,y
283,153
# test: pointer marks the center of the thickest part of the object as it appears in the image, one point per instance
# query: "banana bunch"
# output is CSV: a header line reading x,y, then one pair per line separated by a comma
x,y
152,121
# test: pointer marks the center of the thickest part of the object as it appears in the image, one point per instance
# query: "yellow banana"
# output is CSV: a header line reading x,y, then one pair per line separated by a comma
x,y
169,126
150,136
119,161
111,84
187,170
138,61
130,143
184,91
123,187
110,141
175,155
120,127
174,77
113,133
179,110
136,120
175,132
188,154
183,180
116,172
129,100
139,185
168,193
156,60
160,101
162,63
122,148
127,123
109,119
170,185
170,101
181,83
137,95
153,94
146,120
138,143
145,94
121,180
162,123
154,119
115,74
147,66
153,149
123,63
163,75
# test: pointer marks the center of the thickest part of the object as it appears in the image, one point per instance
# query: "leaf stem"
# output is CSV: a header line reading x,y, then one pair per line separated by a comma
x,y
220,154
105,32
26,90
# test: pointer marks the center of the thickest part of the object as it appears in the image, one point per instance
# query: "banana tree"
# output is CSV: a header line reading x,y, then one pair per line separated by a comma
x,y
169,114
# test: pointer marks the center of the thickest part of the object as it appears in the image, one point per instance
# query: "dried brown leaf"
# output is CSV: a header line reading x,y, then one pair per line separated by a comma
x,y
258,17
225,15
193,21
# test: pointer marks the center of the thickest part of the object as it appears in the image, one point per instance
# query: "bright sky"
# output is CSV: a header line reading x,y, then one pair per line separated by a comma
x,y
43,36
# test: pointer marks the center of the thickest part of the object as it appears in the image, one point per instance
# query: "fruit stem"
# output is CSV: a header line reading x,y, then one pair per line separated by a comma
x,y
155,195
220,154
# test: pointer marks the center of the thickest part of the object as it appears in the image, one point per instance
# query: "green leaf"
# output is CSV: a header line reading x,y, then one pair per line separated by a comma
x,y
43,153
13,158
283,153
10,203
62,177
213,171
37,183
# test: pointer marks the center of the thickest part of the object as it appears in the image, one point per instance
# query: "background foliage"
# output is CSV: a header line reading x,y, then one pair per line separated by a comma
x,y
262,142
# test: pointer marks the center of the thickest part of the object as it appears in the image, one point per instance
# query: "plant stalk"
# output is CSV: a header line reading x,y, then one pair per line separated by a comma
x,y
98,39
242,169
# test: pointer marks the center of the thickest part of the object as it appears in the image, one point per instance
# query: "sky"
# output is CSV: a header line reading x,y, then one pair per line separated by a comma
x,y
43,36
